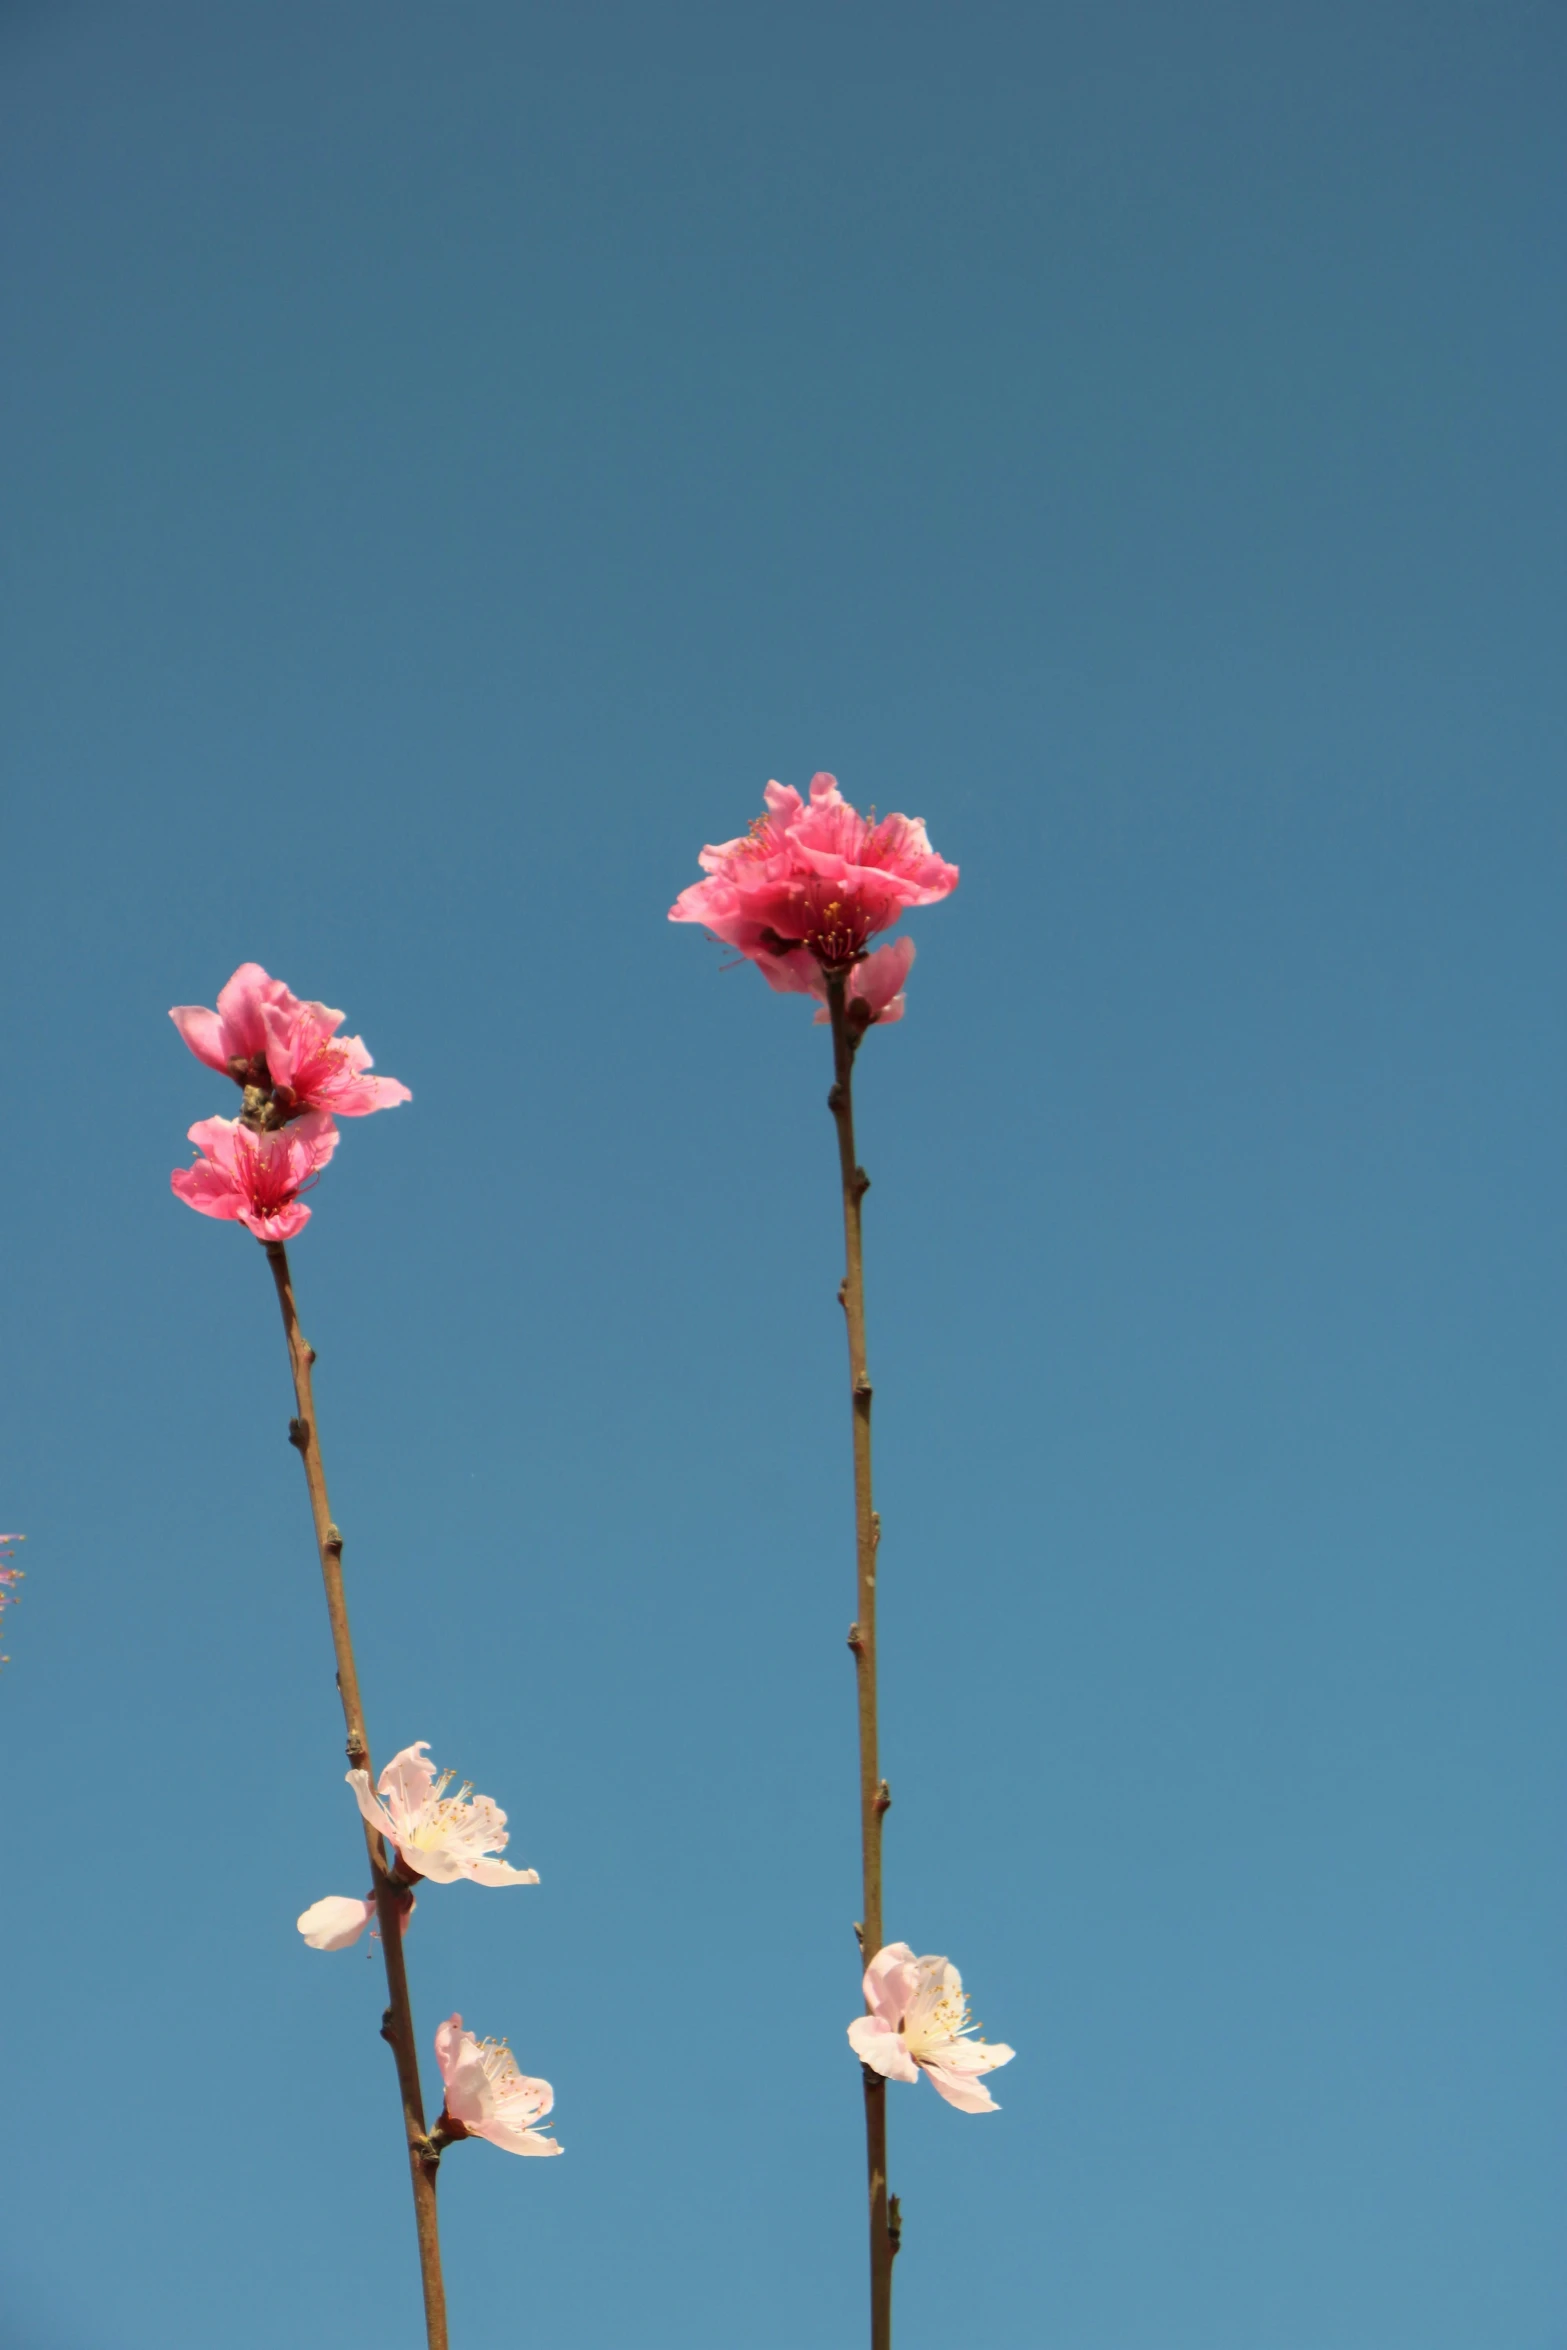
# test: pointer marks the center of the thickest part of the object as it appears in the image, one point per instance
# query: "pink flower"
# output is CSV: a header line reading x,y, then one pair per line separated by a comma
x,y
255,1179
487,2097
235,1035
439,1836
263,1036
9,1577
312,1067
918,2022
806,889
877,984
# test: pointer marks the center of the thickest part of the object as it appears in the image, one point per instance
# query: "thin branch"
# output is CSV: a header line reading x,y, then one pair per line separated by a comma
x,y
391,1897
874,1793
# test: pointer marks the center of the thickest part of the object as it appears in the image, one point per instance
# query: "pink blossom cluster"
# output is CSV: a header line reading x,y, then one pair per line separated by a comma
x,y
803,893
9,1576
298,1076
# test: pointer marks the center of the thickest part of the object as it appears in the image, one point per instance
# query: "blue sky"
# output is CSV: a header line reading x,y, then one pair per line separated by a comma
x,y
458,456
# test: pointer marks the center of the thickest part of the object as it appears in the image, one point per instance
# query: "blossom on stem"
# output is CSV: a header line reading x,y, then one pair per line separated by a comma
x,y
264,1037
255,1179
336,1922
806,889
439,1836
313,1068
487,2097
919,2022
875,989
233,1037
9,1577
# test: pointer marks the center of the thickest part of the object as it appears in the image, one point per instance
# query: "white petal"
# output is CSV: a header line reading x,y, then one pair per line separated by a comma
x,y
373,1812
882,2050
499,1872
518,2141
336,1922
961,2090
408,1780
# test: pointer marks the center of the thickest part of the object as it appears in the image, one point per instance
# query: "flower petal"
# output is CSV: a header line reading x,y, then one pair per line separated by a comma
x,y
409,1777
449,2038
960,2089
336,1922
203,1033
205,1189
499,1872
373,1811
891,1981
515,2141
882,2049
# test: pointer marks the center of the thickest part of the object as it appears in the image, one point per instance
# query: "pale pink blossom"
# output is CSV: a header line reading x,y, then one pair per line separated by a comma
x,y
234,1037
919,2022
9,1577
487,2097
439,1836
336,1922
255,1179
264,1037
806,889
312,1067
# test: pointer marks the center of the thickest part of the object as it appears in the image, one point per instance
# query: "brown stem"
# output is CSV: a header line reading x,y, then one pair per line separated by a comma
x,y
397,2025
874,1796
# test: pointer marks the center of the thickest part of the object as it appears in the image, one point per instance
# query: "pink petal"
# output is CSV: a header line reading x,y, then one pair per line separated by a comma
x,y
960,2089
311,1140
215,1138
336,1922
203,1033
205,1189
410,1775
880,980
891,1980
883,2050
449,2038
242,1008
357,1097
282,1224
468,2095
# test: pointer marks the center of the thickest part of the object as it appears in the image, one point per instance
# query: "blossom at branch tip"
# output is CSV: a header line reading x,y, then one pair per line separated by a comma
x,y
919,2022
255,1179
9,1576
439,1836
806,889
236,1032
263,1036
487,2097
312,1067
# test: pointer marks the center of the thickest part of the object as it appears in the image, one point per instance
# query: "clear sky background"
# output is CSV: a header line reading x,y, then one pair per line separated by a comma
x,y
456,454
